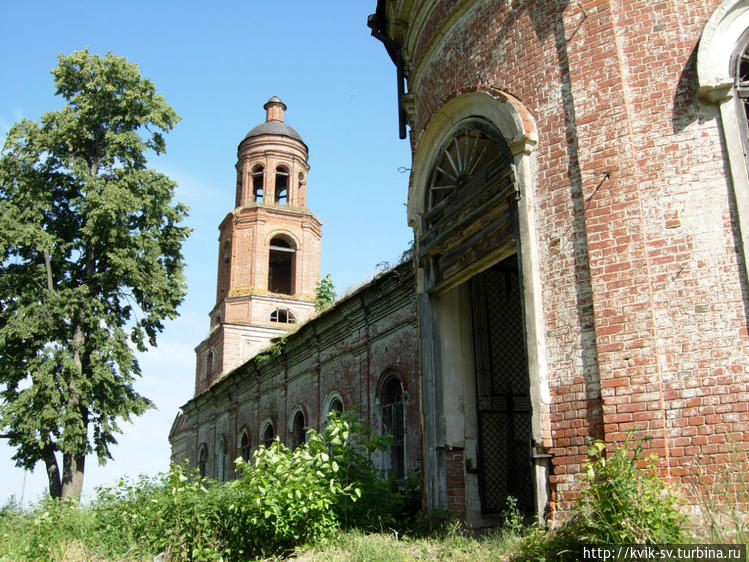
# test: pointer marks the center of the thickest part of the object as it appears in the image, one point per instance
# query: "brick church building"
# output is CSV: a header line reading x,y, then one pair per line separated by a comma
x,y
579,196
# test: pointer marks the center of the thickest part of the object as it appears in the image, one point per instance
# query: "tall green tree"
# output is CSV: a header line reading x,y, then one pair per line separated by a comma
x,y
90,264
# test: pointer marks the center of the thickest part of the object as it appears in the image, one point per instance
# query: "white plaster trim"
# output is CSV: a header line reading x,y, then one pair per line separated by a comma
x,y
739,172
517,126
719,38
506,113
718,42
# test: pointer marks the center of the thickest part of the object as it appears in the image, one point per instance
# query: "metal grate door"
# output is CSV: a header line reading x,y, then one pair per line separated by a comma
x,y
502,389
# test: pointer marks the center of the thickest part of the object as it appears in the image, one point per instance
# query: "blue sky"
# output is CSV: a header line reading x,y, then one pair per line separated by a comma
x,y
217,64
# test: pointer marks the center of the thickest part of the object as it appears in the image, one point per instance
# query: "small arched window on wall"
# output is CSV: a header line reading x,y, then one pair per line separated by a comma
x,y
391,410
244,444
221,458
268,434
336,405
202,459
209,363
283,315
297,430
281,266
282,185
258,178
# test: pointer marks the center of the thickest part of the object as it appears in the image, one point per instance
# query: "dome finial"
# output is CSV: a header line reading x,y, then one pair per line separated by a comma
x,y
274,109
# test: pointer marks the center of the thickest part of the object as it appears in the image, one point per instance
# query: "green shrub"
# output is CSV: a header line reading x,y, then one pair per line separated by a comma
x,y
289,497
384,503
621,504
282,500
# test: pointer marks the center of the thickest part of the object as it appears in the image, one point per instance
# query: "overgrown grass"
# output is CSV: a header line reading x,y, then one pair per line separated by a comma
x,y
451,544
324,502
722,494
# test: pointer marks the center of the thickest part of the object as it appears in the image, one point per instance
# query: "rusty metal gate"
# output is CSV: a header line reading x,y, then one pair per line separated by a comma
x,y
502,389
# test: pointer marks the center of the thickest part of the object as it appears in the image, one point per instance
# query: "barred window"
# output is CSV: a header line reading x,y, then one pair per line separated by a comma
x,y
393,425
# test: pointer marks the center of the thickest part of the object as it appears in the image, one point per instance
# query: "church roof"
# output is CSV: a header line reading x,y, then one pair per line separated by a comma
x,y
274,128
274,123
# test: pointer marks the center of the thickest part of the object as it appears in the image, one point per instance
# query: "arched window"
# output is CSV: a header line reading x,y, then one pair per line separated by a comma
x,y
333,403
740,71
221,458
297,430
283,315
268,434
226,251
244,444
391,409
336,405
473,154
258,175
209,363
203,459
281,266
282,185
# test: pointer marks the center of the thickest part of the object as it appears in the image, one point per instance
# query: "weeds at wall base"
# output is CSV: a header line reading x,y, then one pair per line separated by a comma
x,y
274,508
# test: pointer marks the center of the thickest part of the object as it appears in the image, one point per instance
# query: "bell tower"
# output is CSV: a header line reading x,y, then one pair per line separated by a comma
x,y
269,250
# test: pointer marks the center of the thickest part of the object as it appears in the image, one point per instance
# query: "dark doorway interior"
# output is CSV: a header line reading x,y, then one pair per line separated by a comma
x,y
502,388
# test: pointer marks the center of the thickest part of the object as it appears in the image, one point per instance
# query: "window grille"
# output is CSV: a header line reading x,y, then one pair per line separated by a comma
x,y
393,425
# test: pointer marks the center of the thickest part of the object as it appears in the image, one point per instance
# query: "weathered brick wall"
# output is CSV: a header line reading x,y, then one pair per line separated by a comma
x,y
643,291
346,350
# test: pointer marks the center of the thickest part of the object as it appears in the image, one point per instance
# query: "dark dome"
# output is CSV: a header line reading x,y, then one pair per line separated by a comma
x,y
274,128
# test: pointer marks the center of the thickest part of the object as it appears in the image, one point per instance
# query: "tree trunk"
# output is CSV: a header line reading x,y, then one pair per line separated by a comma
x,y
73,463
53,471
72,475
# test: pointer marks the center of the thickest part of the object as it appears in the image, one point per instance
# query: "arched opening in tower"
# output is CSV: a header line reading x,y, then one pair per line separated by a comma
x,y
257,184
281,266
282,185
